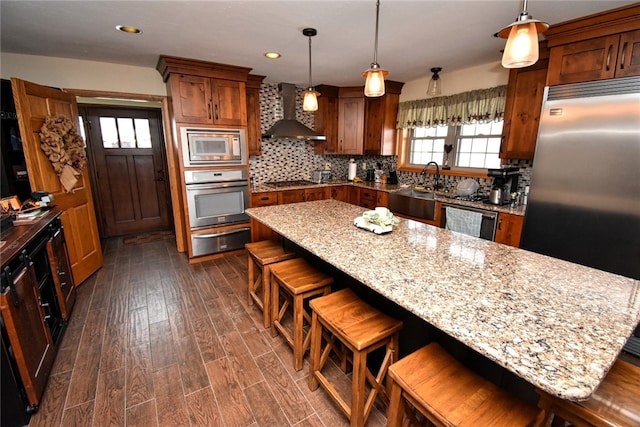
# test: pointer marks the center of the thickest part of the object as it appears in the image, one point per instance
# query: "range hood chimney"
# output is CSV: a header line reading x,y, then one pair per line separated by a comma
x,y
289,127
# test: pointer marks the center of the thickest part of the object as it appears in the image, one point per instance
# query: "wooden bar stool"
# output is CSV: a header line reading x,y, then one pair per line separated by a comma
x,y
448,394
616,402
261,256
296,282
361,329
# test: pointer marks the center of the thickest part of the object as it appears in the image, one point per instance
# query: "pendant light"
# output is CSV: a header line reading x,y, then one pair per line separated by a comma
x,y
435,85
374,85
310,101
521,49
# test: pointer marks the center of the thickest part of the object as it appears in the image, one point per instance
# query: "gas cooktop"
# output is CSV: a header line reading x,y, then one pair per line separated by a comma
x,y
292,183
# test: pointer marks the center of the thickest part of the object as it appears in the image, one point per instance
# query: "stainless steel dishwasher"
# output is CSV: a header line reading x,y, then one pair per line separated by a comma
x,y
487,226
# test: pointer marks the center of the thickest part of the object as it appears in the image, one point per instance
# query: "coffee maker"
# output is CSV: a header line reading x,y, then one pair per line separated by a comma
x,y
505,182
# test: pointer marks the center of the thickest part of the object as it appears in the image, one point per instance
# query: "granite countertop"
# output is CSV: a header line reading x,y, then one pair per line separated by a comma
x,y
558,325
441,196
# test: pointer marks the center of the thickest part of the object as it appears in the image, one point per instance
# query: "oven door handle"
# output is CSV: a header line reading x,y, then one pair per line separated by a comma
x,y
210,185
225,233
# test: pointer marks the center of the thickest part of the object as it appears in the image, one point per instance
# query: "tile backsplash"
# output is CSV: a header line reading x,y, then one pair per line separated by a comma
x,y
286,159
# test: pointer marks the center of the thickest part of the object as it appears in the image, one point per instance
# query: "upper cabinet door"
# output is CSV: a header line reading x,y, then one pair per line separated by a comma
x,y
191,99
351,125
592,59
201,100
629,55
229,102
33,104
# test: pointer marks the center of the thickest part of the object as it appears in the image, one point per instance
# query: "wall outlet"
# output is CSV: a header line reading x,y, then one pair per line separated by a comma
x,y
327,166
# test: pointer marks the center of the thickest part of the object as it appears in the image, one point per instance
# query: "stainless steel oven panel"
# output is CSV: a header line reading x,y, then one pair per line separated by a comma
x,y
213,146
489,220
225,175
214,204
211,243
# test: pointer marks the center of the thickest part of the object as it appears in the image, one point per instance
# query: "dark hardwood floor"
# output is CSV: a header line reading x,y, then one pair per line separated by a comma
x,y
156,341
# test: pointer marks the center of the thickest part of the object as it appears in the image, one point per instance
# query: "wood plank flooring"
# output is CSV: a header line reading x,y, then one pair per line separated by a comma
x,y
154,341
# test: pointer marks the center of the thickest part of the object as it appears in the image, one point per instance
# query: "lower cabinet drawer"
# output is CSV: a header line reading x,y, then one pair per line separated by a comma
x,y
214,242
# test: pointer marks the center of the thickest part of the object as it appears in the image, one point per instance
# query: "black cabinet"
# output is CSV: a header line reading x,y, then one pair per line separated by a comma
x,y
36,297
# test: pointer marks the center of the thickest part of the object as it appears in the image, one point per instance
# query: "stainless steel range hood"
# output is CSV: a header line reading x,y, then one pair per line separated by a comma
x,y
289,127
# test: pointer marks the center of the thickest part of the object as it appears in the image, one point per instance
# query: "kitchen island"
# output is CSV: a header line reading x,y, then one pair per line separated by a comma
x,y
557,325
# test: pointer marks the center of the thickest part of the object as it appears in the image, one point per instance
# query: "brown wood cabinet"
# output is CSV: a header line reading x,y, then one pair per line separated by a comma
x,y
382,198
28,334
340,193
254,130
61,272
509,229
523,107
596,47
316,193
380,121
264,199
205,92
201,100
326,119
290,196
350,122
355,124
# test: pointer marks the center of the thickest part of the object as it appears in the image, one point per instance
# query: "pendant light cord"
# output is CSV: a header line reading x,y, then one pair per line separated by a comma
x,y
310,63
375,49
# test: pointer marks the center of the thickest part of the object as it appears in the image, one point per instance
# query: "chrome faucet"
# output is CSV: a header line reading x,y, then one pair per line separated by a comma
x,y
437,177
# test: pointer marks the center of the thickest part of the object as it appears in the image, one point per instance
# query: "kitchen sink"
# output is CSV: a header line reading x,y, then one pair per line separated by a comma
x,y
419,204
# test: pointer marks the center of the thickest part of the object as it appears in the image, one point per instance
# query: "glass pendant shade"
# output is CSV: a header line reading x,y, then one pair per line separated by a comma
x,y
434,88
374,85
435,84
521,49
310,100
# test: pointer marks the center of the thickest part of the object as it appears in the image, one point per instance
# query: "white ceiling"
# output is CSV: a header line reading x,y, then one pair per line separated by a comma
x,y
414,36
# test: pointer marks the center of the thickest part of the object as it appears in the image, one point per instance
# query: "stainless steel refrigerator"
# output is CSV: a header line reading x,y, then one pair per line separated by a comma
x,y
584,200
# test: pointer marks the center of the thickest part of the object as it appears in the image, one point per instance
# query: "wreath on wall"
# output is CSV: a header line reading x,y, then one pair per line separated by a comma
x,y
64,148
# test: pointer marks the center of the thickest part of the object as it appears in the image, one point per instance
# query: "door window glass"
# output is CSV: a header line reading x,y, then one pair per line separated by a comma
x,y
125,132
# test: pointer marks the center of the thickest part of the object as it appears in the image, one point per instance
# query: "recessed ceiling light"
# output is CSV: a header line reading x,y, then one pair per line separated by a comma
x,y
128,29
272,55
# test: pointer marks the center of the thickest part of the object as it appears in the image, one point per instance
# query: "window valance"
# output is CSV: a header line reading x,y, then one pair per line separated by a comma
x,y
467,107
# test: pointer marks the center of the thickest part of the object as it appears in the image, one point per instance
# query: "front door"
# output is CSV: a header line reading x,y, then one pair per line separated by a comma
x,y
33,104
127,147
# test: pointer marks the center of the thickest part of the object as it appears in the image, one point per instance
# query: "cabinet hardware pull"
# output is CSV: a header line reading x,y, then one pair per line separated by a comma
x,y
264,198
209,110
609,57
624,52
10,283
45,307
216,110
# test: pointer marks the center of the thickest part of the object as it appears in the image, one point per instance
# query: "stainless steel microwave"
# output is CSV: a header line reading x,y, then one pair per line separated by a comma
x,y
213,146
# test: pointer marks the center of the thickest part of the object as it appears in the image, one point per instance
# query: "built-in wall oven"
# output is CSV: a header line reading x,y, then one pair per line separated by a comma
x,y
216,200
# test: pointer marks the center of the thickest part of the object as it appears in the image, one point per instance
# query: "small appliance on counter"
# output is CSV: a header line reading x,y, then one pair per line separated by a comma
x,y
505,182
371,175
320,176
393,177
